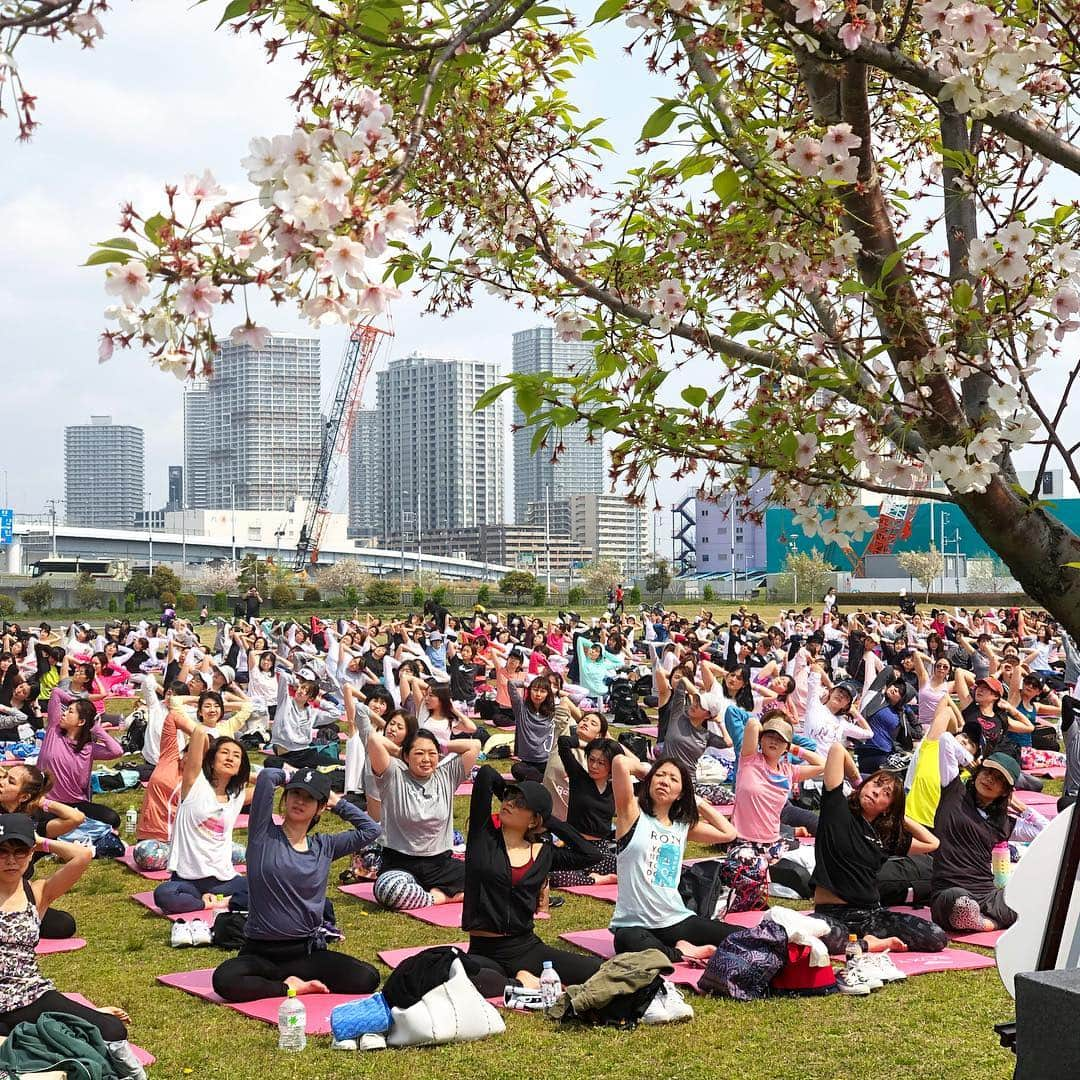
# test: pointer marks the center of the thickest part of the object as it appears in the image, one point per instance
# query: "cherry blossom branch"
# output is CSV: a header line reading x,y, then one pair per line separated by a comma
x,y
890,59
1053,438
465,34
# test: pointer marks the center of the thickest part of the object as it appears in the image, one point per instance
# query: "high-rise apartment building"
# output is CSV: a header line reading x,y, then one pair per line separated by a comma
x,y
580,468
265,428
104,473
613,529
175,500
365,475
197,445
440,458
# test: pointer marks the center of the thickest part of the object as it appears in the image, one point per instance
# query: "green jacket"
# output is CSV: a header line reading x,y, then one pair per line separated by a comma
x,y
58,1041
622,974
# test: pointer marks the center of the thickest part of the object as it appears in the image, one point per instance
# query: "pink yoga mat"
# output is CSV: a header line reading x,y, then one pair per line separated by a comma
x,y
362,890
144,1057
464,789
1054,772
48,946
925,963
147,900
651,730
318,1006
610,893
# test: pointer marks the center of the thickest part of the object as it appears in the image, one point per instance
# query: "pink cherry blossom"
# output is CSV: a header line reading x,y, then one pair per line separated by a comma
x,y
399,219
105,348
202,187
805,450
671,297
345,256
839,141
805,157
375,298
1065,303
196,299
851,33
808,10
845,169
250,334
129,282
971,23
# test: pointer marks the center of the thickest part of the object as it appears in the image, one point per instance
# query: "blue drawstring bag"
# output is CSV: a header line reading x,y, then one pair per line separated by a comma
x,y
368,1016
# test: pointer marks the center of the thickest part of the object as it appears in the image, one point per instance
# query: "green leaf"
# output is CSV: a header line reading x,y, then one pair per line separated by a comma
x,y
694,395
660,121
962,296
890,263
743,321
539,437
608,10
402,274
491,395
107,255
121,242
234,10
726,185
152,228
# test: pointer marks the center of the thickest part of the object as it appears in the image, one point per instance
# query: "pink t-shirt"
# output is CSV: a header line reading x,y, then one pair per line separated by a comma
x,y
760,795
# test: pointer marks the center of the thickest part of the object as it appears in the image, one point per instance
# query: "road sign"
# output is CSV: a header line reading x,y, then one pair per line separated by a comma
x,y
7,524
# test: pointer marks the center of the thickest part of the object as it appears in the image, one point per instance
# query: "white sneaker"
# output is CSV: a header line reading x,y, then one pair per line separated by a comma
x,y
849,981
343,1044
181,938
667,1006
882,966
867,971
200,932
371,1041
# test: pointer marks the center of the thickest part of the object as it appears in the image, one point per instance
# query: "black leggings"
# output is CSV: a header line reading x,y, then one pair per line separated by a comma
x,y
696,929
528,770
843,920
298,759
111,1028
526,952
260,970
99,813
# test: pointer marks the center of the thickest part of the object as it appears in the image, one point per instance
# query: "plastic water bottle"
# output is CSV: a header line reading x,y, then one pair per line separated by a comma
x,y
852,952
1001,864
550,985
131,820
292,1024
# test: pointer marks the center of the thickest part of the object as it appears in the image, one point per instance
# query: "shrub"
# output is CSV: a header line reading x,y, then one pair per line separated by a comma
x,y
282,595
539,595
708,594
114,607
635,596
220,602
441,595
129,604
187,602
418,597
38,597
576,596
351,595
7,607
168,599
518,584
86,595
311,595
483,595
380,593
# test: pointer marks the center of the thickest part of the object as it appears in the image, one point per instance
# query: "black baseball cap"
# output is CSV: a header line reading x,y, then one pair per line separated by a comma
x,y
315,783
535,796
20,829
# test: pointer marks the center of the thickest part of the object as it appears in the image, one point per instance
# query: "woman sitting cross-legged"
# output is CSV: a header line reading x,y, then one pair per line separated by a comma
x,y
651,830
212,793
416,796
855,836
285,939
508,858
24,992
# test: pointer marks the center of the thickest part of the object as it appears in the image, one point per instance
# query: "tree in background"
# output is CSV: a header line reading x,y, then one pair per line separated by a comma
x,y
86,594
923,566
217,579
814,574
382,593
659,578
340,576
164,580
140,587
38,597
600,576
518,584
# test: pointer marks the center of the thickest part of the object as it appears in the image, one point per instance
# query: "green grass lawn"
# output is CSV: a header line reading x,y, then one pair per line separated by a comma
x,y
928,1027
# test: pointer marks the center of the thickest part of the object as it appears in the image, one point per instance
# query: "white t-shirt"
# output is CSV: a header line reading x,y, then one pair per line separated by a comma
x,y
202,834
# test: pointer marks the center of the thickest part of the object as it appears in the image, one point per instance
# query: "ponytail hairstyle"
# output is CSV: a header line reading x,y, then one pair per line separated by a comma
x,y
37,783
87,716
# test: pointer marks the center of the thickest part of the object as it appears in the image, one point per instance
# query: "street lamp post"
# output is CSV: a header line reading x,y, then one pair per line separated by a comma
x,y
232,503
150,529
944,541
402,496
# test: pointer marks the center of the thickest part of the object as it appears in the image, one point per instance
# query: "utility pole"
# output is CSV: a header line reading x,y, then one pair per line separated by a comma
x,y
401,500
232,499
731,521
150,529
547,535
51,506
419,545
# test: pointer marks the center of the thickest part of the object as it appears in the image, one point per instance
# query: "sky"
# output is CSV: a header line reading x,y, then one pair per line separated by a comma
x,y
161,95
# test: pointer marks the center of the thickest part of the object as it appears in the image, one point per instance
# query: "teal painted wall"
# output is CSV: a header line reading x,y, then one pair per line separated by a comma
x,y
782,533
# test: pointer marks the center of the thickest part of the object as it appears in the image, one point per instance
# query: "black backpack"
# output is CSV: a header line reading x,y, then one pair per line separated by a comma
x,y
636,743
135,735
228,930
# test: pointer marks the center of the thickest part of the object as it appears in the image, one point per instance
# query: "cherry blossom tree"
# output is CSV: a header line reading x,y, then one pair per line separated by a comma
x,y
851,221
52,19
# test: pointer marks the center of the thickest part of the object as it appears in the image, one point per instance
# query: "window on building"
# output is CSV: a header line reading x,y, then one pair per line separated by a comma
x,y
1046,482
704,558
